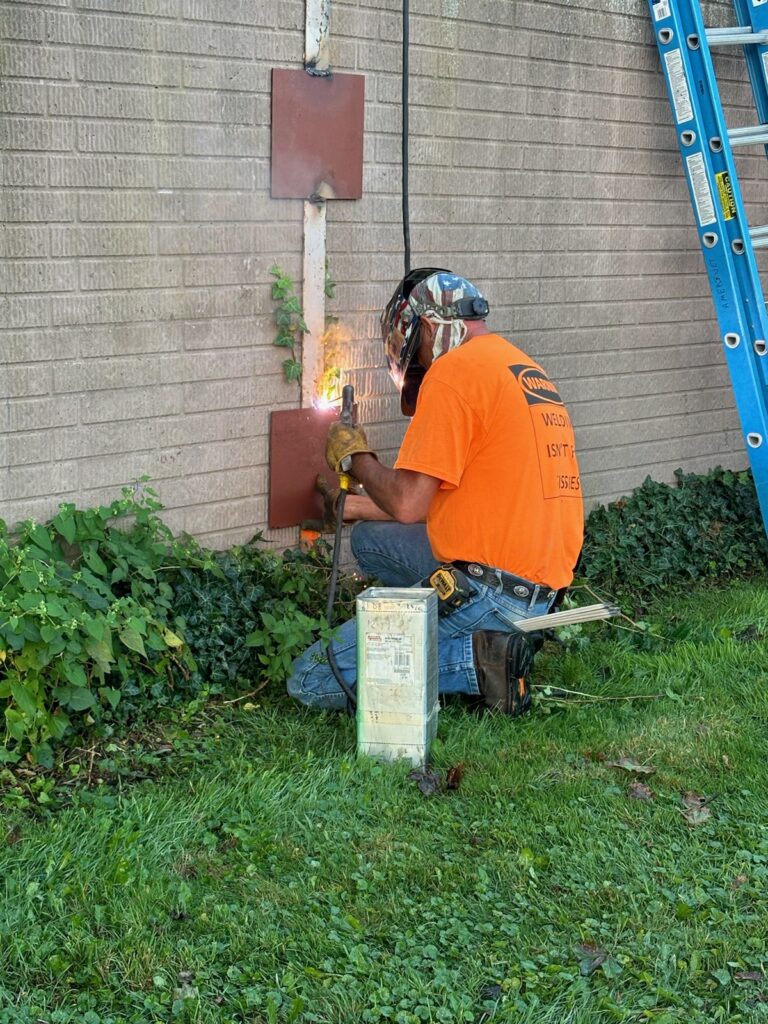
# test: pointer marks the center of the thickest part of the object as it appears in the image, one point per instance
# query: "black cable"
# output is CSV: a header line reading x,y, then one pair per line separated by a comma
x,y
406,129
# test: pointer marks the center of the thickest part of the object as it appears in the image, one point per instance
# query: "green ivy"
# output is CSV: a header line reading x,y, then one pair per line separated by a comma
x,y
289,319
106,617
246,622
708,527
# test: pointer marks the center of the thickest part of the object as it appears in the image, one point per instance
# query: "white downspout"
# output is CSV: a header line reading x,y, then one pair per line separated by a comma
x,y
313,282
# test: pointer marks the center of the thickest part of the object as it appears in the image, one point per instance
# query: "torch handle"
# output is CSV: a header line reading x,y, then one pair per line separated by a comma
x,y
347,405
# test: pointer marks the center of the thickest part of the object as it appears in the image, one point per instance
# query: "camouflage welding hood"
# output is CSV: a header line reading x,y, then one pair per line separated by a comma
x,y
439,296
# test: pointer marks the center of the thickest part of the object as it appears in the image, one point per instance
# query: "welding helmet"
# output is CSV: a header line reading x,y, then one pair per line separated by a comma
x,y
440,296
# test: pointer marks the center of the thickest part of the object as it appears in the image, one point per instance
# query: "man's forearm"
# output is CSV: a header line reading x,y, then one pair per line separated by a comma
x,y
359,507
380,482
401,493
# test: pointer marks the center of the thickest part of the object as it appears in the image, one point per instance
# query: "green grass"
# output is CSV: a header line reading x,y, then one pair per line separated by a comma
x,y
269,876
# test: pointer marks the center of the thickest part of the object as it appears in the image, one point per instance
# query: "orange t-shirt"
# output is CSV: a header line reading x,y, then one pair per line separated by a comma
x,y
491,426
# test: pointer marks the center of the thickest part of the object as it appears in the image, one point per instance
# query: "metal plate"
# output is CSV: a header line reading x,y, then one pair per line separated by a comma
x,y
296,456
317,135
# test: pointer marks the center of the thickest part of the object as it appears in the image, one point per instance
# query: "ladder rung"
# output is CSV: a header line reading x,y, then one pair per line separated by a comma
x,y
736,35
749,135
760,232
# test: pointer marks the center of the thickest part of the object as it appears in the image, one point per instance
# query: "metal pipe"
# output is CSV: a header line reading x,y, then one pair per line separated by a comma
x,y
749,135
735,36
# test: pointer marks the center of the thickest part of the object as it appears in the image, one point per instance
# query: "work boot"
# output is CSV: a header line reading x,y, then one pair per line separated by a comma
x,y
503,666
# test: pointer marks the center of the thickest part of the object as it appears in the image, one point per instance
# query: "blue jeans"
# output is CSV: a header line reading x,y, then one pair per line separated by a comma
x,y
400,556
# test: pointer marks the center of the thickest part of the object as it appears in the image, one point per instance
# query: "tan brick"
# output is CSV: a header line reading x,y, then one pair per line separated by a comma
x,y
26,276
39,62
23,98
131,403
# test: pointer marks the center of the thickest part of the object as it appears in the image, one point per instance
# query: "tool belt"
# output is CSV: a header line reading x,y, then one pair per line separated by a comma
x,y
513,586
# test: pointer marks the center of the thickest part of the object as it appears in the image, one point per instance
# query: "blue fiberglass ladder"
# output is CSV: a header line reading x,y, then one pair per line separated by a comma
x,y
727,242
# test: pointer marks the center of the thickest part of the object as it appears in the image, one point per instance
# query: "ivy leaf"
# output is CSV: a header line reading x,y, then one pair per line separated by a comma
x,y
65,525
24,699
15,724
94,627
629,764
40,536
111,695
81,698
133,641
75,673
28,579
292,369
94,561
101,652
57,725
172,639
42,754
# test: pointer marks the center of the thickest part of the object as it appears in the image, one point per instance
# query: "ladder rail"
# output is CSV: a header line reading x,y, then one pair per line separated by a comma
x,y
756,17
721,222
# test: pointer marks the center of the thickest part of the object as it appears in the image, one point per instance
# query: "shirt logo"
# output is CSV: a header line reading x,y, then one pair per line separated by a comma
x,y
536,385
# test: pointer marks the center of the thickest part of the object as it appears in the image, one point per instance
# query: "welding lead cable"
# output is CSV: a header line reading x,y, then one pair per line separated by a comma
x,y
347,690
406,130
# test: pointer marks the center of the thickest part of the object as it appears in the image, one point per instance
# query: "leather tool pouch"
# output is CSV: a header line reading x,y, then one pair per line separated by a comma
x,y
452,587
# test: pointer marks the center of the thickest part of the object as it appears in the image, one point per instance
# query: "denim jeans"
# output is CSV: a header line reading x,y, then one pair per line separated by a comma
x,y
400,556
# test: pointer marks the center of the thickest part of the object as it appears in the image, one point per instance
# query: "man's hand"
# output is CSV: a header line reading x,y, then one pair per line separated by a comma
x,y
344,442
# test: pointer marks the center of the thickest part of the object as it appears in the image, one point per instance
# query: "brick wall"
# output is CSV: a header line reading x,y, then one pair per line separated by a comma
x,y
138,235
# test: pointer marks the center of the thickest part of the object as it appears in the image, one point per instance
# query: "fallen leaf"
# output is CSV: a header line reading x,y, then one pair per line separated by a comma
x,y
591,957
427,780
639,791
749,976
628,764
595,755
694,809
738,881
455,775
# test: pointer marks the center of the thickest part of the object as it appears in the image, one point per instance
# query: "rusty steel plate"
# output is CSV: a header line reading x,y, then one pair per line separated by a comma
x,y
317,135
296,456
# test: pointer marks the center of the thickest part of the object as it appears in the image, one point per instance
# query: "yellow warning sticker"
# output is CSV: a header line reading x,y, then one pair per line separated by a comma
x,y
724,190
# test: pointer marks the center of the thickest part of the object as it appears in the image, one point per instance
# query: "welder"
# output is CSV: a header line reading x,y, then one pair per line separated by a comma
x,y
484,501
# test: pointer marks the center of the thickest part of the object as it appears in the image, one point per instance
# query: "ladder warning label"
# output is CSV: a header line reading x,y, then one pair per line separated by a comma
x,y
661,10
697,175
725,191
678,86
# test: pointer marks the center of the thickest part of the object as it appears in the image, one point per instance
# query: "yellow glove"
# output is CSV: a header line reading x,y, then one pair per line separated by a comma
x,y
344,442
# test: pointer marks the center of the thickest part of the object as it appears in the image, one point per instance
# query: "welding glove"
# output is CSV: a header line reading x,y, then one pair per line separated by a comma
x,y
343,442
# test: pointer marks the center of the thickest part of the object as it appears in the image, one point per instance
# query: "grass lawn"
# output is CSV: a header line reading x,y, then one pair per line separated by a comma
x,y
267,875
